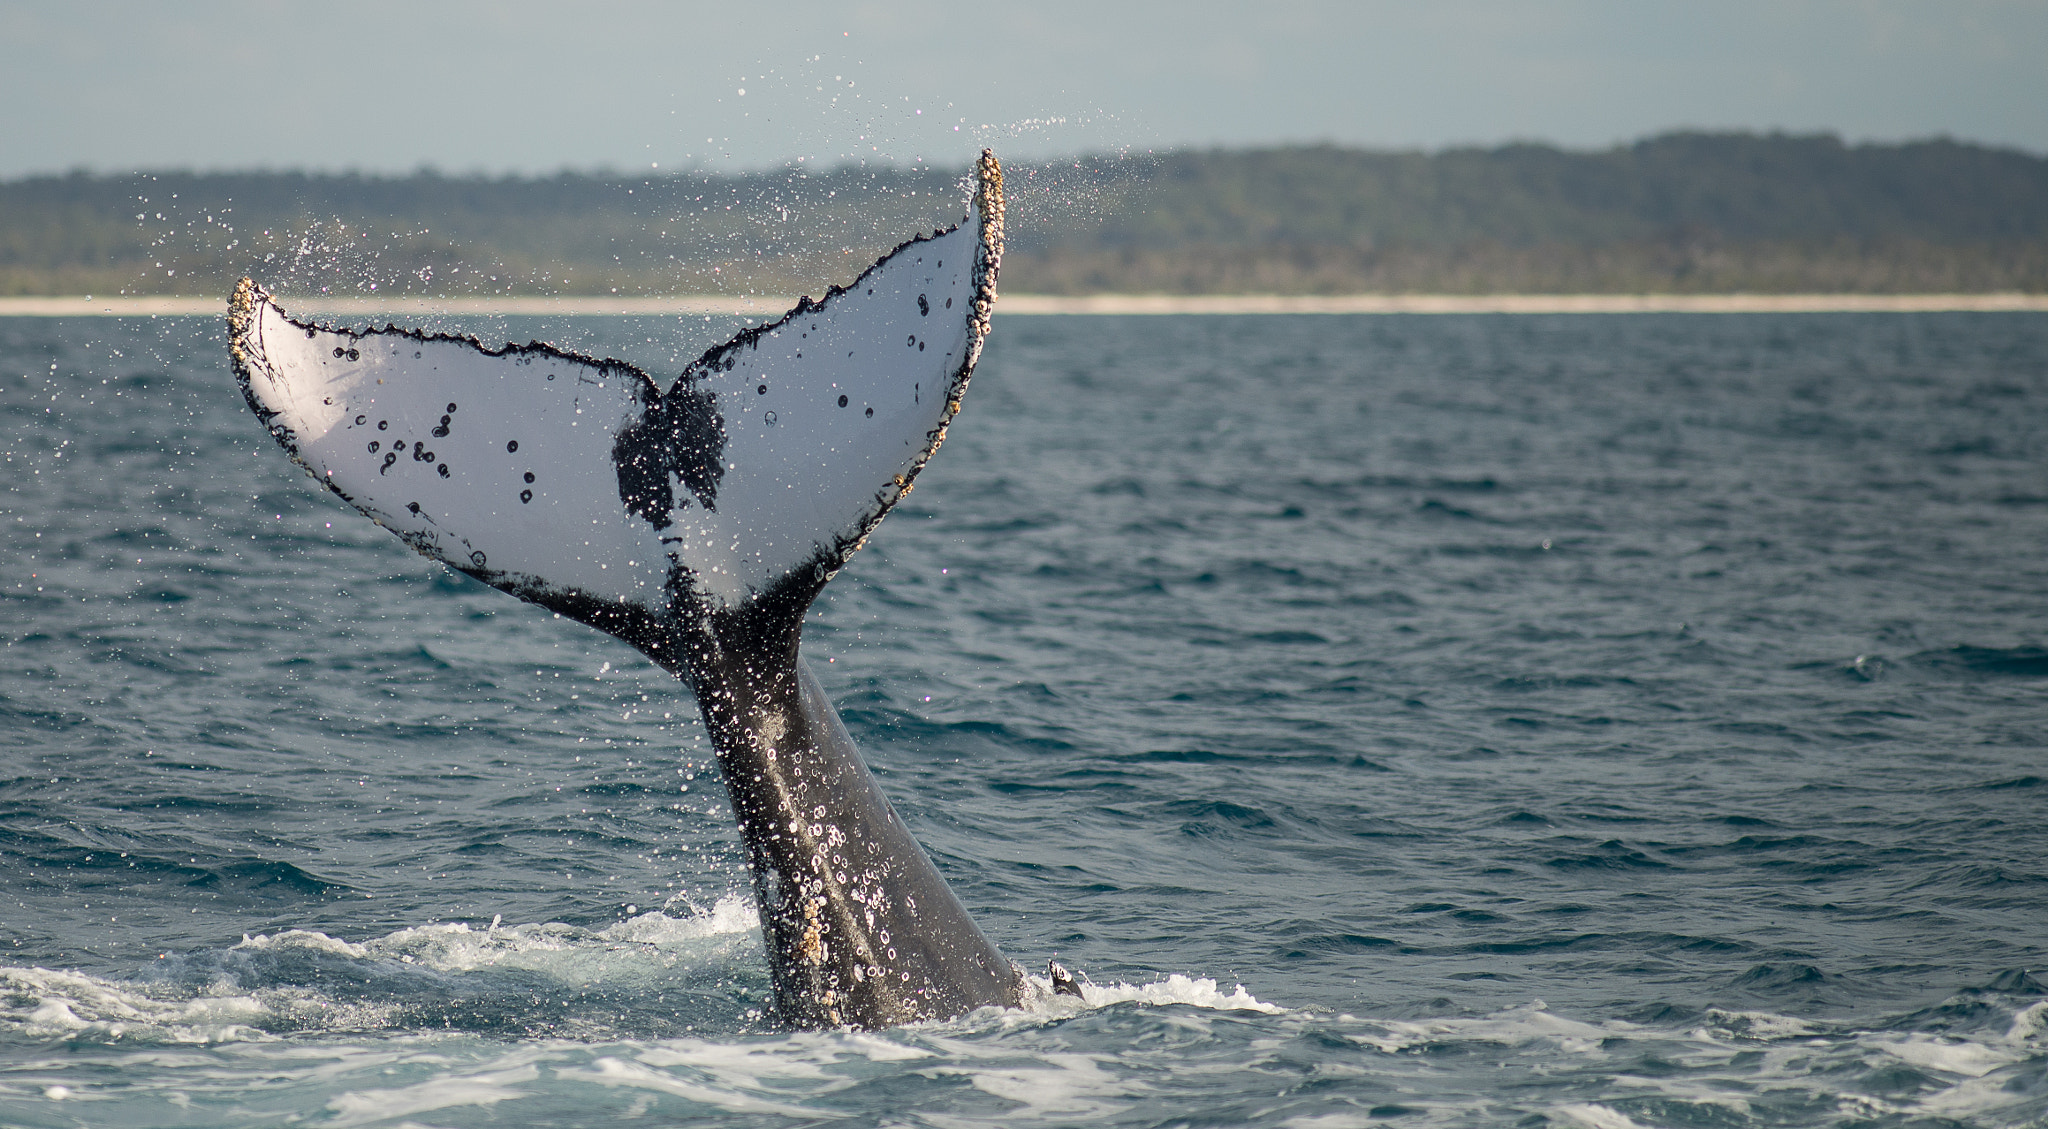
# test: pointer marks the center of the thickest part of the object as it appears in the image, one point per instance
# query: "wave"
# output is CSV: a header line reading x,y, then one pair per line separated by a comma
x,y
1115,1055
653,975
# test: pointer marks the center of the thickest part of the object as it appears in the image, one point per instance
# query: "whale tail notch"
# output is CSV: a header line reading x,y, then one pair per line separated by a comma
x,y
579,484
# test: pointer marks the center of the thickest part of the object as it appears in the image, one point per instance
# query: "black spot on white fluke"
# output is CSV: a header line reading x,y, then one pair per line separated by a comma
x,y
683,523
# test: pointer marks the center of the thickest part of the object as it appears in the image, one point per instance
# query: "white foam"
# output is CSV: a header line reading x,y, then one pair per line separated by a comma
x,y
1592,1115
44,1003
1729,1067
1178,989
1040,999
1973,1100
302,939
731,914
1753,1025
359,1107
640,952
1346,1120
50,1004
1807,1056
1949,1056
614,1072
574,952
1057,1086
800,1057
1038,1070
2030,1024
1532,1022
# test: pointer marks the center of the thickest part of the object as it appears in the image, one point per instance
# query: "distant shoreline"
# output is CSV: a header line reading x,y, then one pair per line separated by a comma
x,y
1036,304
1517,303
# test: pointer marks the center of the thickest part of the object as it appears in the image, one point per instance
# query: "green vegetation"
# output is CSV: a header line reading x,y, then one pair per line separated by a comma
x,y
1683,212
426,234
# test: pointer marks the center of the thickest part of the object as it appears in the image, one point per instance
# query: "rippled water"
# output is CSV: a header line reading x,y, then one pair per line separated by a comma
x,y
1462,720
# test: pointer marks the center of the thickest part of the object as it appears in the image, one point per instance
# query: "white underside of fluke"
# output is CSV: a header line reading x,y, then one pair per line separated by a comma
x,y
520,478
857,393
541,471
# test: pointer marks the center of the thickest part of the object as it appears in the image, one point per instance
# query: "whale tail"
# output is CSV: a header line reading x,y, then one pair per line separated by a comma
x,y
581,485
697,523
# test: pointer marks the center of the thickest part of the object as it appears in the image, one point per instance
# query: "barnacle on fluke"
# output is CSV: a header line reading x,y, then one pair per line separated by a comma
x,y
697,524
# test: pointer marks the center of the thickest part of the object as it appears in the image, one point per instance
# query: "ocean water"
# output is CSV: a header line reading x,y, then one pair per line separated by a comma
x,y
1595,721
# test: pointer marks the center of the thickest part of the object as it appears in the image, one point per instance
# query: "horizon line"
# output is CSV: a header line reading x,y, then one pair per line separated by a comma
x,y
699,168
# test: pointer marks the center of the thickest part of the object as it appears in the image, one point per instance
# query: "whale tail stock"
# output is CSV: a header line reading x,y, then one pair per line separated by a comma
x,y
698,524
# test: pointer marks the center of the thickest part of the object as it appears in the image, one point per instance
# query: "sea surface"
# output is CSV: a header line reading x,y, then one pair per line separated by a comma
x,y
1593,721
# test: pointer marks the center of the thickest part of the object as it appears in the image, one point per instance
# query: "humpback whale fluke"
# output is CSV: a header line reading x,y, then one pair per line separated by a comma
x,y
698,524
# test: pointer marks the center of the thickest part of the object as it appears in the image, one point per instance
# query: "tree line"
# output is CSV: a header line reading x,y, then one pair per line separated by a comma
x,y
1682,212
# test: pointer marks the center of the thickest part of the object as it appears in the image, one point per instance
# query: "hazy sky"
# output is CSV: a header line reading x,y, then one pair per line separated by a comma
x,y
518,85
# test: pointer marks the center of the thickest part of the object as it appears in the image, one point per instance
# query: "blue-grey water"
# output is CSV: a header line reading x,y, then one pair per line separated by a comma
x,y
1476,721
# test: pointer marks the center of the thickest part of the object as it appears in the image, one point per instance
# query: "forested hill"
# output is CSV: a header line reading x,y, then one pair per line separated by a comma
x,y
1681,212
1736,186
1691,212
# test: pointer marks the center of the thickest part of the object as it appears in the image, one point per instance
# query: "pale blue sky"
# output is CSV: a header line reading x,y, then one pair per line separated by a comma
x,y
516,85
